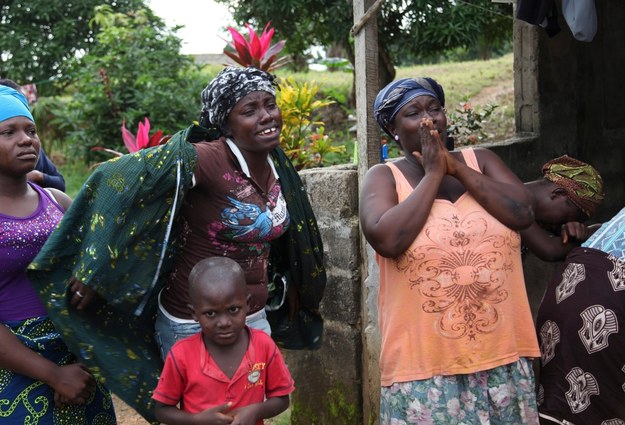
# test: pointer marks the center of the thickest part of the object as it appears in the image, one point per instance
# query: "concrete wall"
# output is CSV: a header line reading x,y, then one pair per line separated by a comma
x,y
569,99
329,381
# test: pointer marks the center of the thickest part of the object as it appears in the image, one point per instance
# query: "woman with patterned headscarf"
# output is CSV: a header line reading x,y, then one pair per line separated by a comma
x,y
237,205
565,197
456,328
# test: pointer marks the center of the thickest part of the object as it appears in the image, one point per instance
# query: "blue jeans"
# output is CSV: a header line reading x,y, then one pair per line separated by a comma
x,y
168,329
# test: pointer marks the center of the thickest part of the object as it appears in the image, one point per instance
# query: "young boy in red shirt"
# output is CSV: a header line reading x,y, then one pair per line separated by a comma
x,y
228,373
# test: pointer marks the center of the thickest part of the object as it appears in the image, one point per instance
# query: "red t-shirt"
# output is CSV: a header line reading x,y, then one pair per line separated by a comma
x,y
192,378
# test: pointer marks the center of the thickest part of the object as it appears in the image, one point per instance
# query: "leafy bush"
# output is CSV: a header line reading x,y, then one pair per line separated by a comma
x,y
303,139
466,124
133,71
51,129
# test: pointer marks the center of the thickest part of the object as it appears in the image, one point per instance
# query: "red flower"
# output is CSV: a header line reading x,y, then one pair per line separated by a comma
x,y
143,139
256,52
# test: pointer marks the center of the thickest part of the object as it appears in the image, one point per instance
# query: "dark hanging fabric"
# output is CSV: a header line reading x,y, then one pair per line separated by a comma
x,y
298,257
539,12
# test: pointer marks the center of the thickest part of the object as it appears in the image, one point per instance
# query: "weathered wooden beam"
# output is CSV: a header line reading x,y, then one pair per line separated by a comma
x,y
366,75
368,133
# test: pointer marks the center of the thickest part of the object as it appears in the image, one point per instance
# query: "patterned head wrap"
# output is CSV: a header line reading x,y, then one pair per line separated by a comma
x,y
13,104
227,88
398,93
582,183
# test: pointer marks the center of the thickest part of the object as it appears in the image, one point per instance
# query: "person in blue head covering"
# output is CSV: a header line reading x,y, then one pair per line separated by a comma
x,y
456,328
45,173
42,382
13,104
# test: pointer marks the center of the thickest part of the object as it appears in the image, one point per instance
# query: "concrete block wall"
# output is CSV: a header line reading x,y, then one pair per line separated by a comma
x,y
329,381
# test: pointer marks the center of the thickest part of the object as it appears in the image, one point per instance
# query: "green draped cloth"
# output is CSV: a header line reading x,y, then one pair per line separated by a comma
x,y
119,237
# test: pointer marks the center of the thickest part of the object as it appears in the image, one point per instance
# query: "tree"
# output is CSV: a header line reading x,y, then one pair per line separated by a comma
x,y
303,22
38,38
132,71
407,28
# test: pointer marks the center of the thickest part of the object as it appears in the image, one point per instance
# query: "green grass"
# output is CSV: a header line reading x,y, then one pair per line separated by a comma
x,y
464,79
75,174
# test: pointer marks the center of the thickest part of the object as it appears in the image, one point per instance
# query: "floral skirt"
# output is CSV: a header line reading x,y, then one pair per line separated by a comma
x,y
24,400
504,395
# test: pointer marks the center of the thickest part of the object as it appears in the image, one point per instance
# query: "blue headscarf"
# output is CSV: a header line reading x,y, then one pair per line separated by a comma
x,y
13,104
398,93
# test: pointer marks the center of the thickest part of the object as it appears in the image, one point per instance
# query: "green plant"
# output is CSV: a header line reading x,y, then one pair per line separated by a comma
x,y
133,71
466,124
39,40
51,130
342,411
301,138
322,145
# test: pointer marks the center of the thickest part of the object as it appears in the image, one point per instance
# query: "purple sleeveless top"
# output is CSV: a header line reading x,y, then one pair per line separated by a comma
x,y
21,238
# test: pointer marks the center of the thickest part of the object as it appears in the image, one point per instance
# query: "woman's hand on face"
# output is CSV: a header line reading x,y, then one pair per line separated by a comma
x,y
82,295
433,157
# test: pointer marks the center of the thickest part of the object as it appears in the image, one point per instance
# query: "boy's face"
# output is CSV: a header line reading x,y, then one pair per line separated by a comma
x,y
220,310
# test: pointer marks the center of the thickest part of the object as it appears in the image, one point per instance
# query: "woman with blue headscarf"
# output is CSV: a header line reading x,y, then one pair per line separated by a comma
x,y
456,329
40,380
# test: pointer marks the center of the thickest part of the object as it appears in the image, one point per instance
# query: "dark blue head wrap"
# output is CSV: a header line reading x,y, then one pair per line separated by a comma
x,y
227,88
13,104
398,93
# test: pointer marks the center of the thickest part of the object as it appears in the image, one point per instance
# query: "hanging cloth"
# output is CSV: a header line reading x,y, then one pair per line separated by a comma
x,y
581,17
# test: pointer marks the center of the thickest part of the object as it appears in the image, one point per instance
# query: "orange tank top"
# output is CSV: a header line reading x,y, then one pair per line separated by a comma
x,y
455,301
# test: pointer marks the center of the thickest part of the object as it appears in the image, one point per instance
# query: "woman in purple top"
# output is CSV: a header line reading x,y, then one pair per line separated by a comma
x,y
40,381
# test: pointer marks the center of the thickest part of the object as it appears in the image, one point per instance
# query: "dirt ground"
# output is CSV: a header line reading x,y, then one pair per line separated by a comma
x,y
126,415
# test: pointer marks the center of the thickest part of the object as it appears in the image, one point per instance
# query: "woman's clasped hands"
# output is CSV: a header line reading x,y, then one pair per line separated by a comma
x,y
434,156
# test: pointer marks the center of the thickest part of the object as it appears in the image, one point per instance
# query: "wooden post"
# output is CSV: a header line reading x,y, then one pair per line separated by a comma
x,y
367,82
367,86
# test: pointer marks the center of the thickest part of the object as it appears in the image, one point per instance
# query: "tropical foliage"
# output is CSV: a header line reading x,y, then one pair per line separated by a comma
x,y
409,31
303,139
133,71
143,139
40,38
466,124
